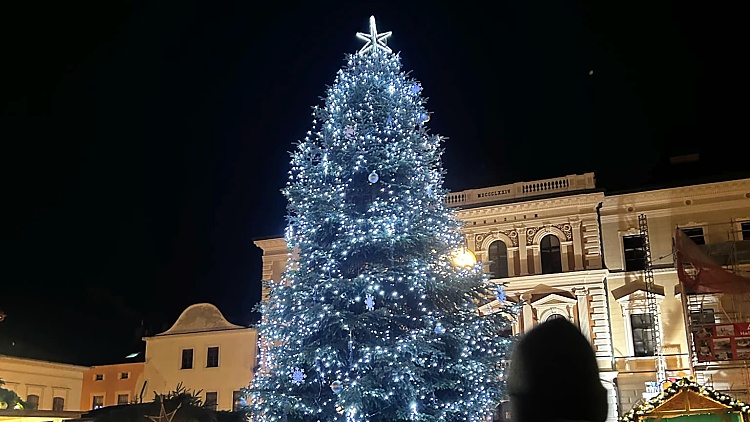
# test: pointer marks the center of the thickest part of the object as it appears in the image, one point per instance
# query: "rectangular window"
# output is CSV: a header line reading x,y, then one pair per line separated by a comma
x,y
124,375
236,401
705,316
58,404
212,357
635,252
211,399
32,401
642,327
99,377
187,359
745,227
695,234
97,402
123,399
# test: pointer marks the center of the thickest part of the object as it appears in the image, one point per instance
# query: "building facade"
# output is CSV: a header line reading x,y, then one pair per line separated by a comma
x,y
43,385
712,215
203,352
113,385
565,248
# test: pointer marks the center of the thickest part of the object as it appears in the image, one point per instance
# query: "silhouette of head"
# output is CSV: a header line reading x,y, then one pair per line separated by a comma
x,y
553,377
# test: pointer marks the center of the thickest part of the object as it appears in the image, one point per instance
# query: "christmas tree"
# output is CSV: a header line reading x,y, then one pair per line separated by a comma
x,y
373,320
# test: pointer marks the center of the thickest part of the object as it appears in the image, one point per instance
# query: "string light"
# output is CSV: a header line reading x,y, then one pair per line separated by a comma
x,y
371,320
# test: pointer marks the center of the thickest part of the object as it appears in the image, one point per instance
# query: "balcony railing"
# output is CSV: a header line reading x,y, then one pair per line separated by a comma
x,y
519,190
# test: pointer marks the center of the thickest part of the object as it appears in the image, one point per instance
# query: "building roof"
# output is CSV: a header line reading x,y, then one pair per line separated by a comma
x,y
200,318
40,362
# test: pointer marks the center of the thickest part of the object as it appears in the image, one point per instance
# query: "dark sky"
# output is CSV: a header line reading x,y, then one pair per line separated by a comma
x,y
144,143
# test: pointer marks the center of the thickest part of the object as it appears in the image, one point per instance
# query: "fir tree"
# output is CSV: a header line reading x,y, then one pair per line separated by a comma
x,y
371,320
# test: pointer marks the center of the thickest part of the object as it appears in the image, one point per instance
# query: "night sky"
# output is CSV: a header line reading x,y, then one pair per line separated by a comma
x,y
144,144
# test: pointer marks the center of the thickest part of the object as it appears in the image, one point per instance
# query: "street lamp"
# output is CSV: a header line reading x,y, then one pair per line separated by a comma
x,y
464,257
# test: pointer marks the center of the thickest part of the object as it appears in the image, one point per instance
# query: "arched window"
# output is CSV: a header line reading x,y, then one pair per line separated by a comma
x,y
555,316
32,401
58,404
549,248
498,259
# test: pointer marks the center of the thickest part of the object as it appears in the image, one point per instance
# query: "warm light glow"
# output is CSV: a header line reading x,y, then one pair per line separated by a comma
x,y
464,258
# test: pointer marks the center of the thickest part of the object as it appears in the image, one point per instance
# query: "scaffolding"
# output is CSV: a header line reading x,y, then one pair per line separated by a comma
x,y
715,283
652,304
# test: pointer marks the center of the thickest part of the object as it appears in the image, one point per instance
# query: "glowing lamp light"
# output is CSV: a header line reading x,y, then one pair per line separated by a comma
x,y
464,258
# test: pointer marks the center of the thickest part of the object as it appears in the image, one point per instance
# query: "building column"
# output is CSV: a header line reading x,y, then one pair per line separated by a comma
x,y
537,259
608,381
564,256
512,262
528,313
584,322
522,254
575,227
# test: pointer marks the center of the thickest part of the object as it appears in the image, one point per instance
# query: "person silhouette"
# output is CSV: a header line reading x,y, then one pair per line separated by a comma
x,y
553,377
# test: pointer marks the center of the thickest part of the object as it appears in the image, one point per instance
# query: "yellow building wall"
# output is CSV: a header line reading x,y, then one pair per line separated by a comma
x,y
717,208
237,359
44,379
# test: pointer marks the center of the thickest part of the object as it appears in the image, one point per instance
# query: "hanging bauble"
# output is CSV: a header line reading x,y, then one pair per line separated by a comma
x,y
350,131
373,177
415,89
424,117
337,386
439,329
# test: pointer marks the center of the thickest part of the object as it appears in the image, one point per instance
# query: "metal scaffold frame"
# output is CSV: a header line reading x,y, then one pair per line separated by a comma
x,y
652,304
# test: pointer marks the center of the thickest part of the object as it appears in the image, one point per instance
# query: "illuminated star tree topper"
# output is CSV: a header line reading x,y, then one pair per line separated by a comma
x,y
373,40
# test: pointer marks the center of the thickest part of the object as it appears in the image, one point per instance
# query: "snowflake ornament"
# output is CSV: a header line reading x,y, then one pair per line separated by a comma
x,y
349,131
370,302
298,376
500,294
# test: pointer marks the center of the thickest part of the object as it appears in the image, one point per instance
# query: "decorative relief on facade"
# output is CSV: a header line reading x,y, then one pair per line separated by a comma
x,y
530,232
480,238
513,235
562,231
565,228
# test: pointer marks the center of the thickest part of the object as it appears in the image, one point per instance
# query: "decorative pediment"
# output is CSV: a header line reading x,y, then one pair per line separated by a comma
x,y
540,291
635,290
553,299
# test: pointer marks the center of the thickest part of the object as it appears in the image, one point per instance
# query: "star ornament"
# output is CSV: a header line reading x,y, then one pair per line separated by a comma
x,y
373,40
163,415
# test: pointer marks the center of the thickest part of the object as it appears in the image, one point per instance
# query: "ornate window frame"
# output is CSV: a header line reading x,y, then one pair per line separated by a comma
x,y
554,304
635,303
511,251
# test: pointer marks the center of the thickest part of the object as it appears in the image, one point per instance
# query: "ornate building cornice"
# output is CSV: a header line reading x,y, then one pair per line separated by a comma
x,y
732,190
582,204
